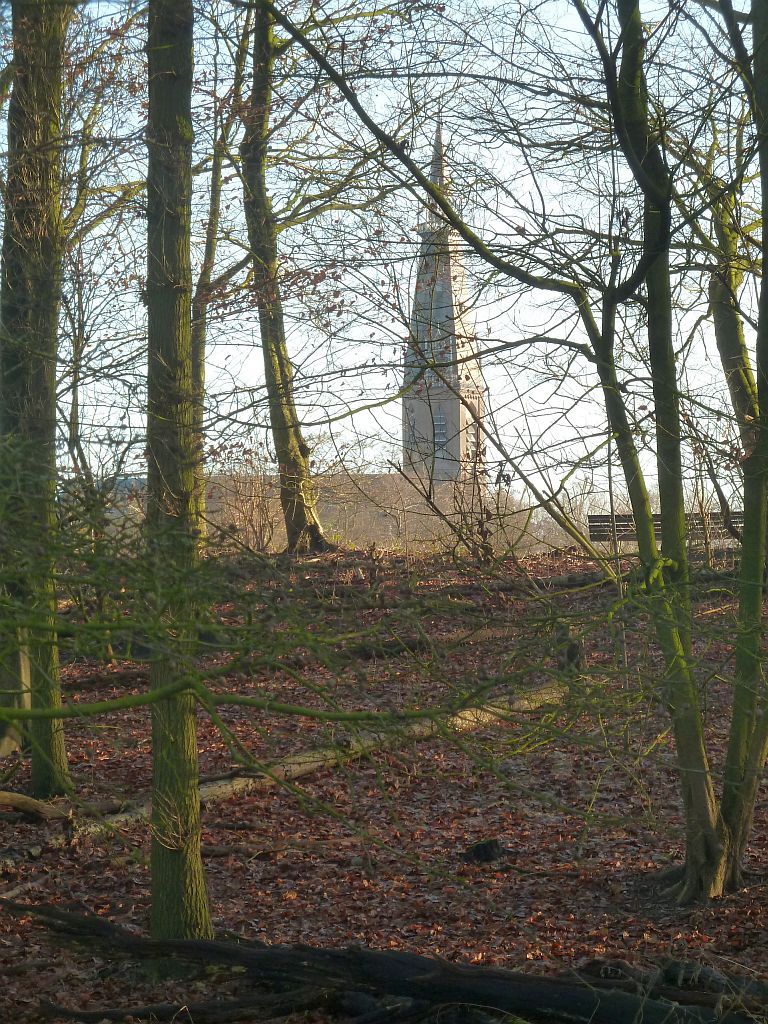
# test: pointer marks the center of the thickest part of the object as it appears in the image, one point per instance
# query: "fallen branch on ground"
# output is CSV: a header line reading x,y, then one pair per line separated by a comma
x,y
299,765
34,808
677,993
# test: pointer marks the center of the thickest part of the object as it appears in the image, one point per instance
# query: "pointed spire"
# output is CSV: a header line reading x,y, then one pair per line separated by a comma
x,y
437,167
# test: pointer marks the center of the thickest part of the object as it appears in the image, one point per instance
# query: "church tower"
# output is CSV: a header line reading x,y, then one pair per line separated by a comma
x,y
444,402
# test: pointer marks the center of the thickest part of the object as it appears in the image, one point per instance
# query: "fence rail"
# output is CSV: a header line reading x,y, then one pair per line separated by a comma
x,y
698,526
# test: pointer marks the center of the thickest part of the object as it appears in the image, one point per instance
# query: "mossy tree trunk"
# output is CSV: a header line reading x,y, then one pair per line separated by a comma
x,y
716,832
667,577
297,491
748,740
724,285
179,899
30,298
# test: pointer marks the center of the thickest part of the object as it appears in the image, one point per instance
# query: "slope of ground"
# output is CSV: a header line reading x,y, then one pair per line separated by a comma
x,y
583,795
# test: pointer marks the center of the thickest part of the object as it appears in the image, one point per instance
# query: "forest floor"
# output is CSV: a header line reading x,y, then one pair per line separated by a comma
x,y
583,794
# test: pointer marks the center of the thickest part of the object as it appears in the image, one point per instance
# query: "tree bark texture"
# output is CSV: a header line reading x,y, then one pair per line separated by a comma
x,y
729,328
30,297
297,492
748,740
676,992
668,580
179,899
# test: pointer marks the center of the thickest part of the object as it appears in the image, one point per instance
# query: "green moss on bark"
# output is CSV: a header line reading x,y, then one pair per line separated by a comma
x,y
297,493
179,899
30,296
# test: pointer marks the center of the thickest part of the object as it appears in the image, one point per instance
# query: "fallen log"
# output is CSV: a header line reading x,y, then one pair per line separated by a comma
x,y
703,985
34,808
103,677
436,984
297,766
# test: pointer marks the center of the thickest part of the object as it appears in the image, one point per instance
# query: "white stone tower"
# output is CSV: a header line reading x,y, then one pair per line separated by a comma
x,y
445,398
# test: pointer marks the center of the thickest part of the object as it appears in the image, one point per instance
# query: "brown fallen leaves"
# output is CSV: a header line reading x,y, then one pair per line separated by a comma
x,y
370,852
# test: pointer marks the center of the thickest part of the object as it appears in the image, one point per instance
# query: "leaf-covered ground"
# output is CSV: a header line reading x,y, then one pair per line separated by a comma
x,y
583,795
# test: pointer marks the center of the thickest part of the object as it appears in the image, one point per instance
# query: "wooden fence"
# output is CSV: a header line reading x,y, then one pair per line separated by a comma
x,y
700,527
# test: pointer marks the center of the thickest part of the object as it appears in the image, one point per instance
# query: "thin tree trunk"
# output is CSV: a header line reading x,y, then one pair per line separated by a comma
x,y
729,328
740,785
669,579
199,338
205,280
30,297
673,619
297,491
90,505
748,740
179,899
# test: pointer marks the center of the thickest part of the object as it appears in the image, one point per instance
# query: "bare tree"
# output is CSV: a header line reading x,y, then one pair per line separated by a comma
x,y
30,297
179,899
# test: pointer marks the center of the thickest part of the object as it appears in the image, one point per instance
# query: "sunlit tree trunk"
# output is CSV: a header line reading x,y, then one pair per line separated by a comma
x,y
671,600
30,297
724,287
716,834
199,338
297,492
179,899
206,283
668,579
748,740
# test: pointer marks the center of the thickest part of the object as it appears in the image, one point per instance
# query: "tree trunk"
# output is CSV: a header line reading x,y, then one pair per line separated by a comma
x,y
729,328
199,335
205,280
748,740
30,297
703,875
179,900
199,338
668,580
297,492
15,688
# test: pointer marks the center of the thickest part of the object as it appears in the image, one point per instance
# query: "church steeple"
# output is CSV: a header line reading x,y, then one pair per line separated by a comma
x,y
437,167
445,400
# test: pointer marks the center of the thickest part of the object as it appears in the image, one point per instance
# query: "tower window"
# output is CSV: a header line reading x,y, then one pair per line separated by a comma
x,y
475,448
441,428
